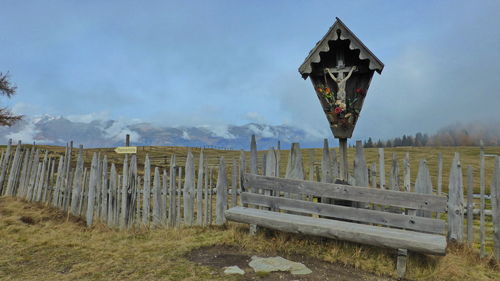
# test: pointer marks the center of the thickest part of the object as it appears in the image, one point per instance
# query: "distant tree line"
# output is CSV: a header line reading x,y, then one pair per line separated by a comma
x,y
453,135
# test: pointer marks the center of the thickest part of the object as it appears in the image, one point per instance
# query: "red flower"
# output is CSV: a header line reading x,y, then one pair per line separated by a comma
x,y
338,110
327,90
359,91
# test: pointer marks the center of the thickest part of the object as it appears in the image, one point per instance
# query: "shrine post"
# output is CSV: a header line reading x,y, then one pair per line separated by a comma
x,y
340,68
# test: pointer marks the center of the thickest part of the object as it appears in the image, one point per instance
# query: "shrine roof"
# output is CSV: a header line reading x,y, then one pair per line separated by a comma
x,y
355,44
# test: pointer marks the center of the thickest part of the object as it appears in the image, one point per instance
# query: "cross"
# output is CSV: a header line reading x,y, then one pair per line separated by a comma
x,y
340,69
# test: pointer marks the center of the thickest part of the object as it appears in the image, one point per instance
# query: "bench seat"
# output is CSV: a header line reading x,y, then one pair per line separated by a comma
x,y
341,230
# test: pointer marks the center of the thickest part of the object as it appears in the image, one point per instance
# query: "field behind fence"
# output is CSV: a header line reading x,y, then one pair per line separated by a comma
x,y
177,186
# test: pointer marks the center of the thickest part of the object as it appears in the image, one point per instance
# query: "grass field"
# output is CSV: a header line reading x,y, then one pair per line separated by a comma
x,y
41,243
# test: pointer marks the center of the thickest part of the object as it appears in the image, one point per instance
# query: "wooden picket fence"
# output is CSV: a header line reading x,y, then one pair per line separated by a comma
x,y
123,197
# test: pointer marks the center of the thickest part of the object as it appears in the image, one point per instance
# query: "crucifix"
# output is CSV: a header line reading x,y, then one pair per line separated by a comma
x,y
341,82
340,79
341,59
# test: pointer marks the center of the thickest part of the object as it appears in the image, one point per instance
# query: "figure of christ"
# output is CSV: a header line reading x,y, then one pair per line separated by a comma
x,y
341,82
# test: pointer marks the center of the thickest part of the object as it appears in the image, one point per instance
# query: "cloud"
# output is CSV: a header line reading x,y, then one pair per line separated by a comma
x,y
119,129
27,134
255,117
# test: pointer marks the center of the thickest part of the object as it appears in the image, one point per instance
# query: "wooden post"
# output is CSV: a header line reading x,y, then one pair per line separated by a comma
x,y
104,189
172,208
156,197
91,193
189,190
401,262
146,191
77,182
124,195
179,197
221,200
133,183
374,175
406,171
271,163
278,159
423,185
206,191
381,167
24,170
455,202
335,164
164,198
311,165
5,165
242,168
326,173
253,156
37,180
264,162
360,170
394,179
199,190
127,140
495,208
295,169
344,168
210,192
66,182
482,230
83,194
470,207
440,173
113,203
14,168
41,182
55,194
234,184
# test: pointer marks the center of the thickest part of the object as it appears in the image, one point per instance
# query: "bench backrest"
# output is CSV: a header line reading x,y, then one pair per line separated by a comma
x,y
407,201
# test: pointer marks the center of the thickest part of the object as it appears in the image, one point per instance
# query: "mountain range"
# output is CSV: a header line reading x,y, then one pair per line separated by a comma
x,y
58,130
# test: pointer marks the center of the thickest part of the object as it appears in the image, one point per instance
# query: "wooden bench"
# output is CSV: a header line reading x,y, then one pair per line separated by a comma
x,y
371,225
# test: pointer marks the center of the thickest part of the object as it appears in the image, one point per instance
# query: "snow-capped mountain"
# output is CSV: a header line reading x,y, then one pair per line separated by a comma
x,y
109,133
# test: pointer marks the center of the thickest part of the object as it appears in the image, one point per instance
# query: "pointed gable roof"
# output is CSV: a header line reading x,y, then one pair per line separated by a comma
x,y
355,44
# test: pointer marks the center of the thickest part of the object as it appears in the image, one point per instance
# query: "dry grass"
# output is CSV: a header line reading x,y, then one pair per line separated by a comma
x,y
41,243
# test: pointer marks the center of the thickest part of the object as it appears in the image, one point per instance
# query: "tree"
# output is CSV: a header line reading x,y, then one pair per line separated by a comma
x,y
380,144
369,143
7,118
388,143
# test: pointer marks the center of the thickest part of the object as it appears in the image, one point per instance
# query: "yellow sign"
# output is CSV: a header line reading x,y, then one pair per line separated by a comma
x,y
126,149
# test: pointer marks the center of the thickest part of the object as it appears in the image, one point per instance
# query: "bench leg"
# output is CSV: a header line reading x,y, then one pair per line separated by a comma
x,y
253,229
401,263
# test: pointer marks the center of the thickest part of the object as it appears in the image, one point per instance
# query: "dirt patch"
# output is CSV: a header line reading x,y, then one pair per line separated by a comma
x,y
220,256
27,220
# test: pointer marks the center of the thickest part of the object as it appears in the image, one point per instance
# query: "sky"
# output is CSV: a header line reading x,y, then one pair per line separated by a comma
x,y
193,63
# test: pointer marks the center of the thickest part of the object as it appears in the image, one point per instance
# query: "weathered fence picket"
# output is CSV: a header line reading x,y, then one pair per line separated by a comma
x,y
199,190
189,190
455,202
221,189
470,207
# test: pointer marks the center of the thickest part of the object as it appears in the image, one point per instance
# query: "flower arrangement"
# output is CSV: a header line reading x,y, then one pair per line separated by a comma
x,y
344,113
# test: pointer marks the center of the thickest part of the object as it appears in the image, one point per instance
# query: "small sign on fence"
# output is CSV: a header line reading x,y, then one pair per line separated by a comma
x,y
126,149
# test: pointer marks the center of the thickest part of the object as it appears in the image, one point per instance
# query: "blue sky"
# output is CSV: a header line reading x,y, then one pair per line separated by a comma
x,y
179,63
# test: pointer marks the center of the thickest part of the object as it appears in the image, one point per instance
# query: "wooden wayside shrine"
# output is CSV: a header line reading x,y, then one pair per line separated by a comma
x,y
340,68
